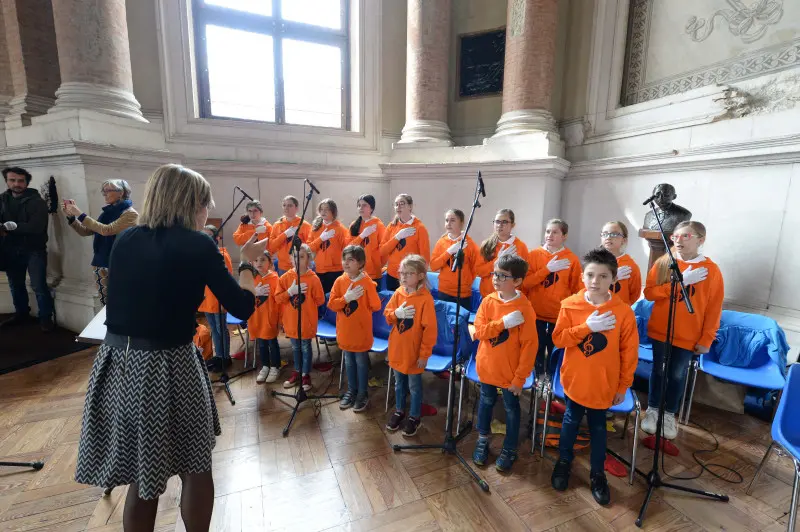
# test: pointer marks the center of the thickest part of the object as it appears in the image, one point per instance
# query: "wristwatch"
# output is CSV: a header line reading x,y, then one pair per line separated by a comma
x,y
247,266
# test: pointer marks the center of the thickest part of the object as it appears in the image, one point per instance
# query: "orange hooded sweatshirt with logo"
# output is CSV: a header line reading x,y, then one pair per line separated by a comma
x,y
328,254
411,339
263,323
210,303
629,289
484,268
354,319
596,365
393,250
202,340
281,246
312,300
372,247
245,231
706,297
505,356
547,290
442,262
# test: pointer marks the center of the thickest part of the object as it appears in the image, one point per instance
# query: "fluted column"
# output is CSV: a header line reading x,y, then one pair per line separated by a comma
x,y
529,67
428,53
94,58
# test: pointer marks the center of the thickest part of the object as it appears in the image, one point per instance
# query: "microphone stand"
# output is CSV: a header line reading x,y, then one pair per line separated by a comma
x,y
654,477
450,444
300,396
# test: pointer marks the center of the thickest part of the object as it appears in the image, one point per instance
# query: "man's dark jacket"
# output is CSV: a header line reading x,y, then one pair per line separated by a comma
x,y
29,211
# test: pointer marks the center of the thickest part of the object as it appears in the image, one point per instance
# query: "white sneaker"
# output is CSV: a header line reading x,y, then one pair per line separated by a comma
x,y
670,426
262,375
650,421
273,375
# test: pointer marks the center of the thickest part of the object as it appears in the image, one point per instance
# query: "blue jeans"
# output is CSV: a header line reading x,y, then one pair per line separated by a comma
x,y
486,407
302,361
219,334
270,352
392,283
466,302
414,384
597,434
545,331
676,376
357,365
34,263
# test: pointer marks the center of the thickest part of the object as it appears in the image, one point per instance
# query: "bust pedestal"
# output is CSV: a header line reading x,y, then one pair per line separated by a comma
x,y
656,244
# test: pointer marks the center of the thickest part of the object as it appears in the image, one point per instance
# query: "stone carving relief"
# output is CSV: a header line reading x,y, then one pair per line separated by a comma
x,y
750,23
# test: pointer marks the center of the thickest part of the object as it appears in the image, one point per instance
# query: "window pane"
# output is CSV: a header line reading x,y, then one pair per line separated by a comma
x,y
325,13
259,7
241,75
312,75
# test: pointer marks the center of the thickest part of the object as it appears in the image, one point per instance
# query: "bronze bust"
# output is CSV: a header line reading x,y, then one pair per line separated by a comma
x,y
670,213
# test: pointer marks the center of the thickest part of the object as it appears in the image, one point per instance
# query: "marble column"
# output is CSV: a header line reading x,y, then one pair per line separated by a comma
x,y
427,68
529,68
94,58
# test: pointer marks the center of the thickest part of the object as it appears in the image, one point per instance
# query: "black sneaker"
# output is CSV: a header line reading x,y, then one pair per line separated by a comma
x,y
347,400
361,404
412,425
395,421
560,477
600,490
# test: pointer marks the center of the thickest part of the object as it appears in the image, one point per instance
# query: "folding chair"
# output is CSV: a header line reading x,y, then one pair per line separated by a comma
x,y
241,325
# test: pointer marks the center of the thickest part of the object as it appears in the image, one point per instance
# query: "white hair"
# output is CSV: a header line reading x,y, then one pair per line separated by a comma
x,y
119,184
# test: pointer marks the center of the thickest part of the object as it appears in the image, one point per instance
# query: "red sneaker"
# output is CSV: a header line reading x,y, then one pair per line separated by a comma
x,y
238,356
307,382
293,380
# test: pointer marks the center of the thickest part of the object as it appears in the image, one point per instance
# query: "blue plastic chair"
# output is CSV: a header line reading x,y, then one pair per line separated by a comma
x,y
433,284
630,404
786,433
241,327
476,299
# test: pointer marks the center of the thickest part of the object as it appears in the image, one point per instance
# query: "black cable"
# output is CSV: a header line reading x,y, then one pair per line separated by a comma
x,y
704,466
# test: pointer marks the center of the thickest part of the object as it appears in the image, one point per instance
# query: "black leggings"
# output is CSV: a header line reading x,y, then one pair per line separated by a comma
x,y
545,331
466,302
392,283
327,279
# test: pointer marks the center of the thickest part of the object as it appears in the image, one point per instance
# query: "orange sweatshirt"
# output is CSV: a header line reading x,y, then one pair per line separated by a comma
x,y
245,231
312,300
505,356
411,339
263,323
328,254
354,319
484,268
629,289
596,365
442,262
546,290
202,340
280,245
211,304
393,250
372,247
706,296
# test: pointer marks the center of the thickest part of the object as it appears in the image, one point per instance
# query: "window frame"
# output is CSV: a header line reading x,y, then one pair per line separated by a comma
x,y
279,29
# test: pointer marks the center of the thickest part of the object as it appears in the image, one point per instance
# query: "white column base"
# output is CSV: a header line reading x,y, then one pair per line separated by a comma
x,y
524,122
421,133
100,98
22,108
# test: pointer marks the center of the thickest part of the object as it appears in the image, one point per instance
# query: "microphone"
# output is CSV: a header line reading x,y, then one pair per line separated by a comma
x,y
651,198
245,194
480,185
315,189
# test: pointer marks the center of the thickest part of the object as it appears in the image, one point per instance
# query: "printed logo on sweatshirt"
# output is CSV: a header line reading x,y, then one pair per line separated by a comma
x,y
690,290
593,344
350,308
365,242
260,300
500,338
325,245
297,300
550,280
617,287
405,325
401,244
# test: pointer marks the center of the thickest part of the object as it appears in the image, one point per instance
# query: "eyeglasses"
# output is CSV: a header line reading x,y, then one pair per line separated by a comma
x,y
407,274
401,204
606,234
683,236
502,276
502,222
107,191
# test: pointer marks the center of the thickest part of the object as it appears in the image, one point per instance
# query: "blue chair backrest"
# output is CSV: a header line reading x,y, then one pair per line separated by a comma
x,y
433,284
786,425
326,313
445,324
642,310
476,294
381,329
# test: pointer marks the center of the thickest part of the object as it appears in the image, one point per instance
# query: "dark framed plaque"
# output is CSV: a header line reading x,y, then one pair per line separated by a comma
x,y
481,58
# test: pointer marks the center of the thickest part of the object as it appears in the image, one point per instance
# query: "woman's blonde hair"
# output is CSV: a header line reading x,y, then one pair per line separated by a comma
x,y
172,197
418,265
304,248
662,263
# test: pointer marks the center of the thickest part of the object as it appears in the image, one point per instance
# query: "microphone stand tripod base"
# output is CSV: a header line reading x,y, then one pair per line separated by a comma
x,y
300,397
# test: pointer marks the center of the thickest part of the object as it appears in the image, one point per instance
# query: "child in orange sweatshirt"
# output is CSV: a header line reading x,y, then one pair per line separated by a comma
x,y
215,314
412,315
406,235
284,231
693,334
367,231
354,297
502,242
300,286
328,239
505,325
598,333
554,274
444,253
263,323
252,222
629,277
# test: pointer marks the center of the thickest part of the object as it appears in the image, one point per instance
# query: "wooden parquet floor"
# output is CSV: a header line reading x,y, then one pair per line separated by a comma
x,y
338,472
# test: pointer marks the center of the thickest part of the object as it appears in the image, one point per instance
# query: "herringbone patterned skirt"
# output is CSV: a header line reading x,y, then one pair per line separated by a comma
x,y
149,415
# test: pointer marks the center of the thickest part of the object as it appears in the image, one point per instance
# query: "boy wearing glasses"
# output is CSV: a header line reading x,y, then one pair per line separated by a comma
x,y
505,325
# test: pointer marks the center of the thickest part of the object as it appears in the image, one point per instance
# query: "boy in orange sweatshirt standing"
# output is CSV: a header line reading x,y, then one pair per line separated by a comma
x,y
263,323
598,333
283,233
505,325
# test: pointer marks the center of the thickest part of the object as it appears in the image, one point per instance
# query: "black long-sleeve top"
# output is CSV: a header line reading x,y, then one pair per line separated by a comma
x,y
157,279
